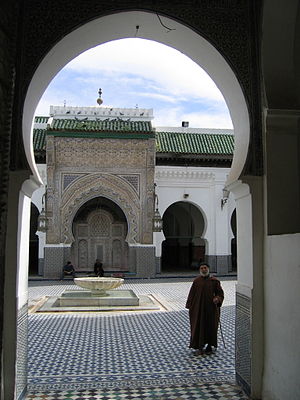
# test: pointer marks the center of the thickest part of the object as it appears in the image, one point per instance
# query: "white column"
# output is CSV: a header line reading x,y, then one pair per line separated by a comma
x,y
250,286
16,280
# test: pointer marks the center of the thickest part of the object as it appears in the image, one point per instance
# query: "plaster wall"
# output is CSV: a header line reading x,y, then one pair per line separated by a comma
x,y
202,186
282,318
283,171
38,194
25,194
243,198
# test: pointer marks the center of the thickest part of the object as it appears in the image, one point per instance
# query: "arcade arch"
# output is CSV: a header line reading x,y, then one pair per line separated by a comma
x,y
184,246
181,38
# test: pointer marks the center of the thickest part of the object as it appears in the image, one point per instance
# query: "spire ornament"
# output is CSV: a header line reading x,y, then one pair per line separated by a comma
x,y
99,100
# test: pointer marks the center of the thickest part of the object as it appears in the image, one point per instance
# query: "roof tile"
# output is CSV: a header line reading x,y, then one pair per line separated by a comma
x,y
109,125
194,143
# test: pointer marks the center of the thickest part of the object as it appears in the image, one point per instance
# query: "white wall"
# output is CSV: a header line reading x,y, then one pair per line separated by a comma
x,y
28,187
282,318
38,194
203,185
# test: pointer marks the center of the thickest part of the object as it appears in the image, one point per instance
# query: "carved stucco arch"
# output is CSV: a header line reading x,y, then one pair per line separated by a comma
x,y
95,185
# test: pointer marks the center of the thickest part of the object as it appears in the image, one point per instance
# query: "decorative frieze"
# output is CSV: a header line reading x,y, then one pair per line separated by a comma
x,y
101,112
184,175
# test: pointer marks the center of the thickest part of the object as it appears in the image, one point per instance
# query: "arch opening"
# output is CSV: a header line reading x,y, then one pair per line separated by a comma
x,y
104,28
183,39
99,230
184,247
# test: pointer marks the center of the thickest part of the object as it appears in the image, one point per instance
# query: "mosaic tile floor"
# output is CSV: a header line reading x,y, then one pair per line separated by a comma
x,y
128,355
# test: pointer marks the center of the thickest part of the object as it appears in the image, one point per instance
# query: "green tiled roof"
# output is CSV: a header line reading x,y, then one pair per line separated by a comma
x,y
166,142
115,125
39,139
41,120
194,143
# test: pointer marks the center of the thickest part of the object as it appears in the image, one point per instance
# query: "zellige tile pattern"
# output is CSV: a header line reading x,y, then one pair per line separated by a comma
x,y
128,355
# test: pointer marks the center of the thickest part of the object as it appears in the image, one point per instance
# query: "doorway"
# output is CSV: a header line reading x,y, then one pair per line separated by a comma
x,y
183,249
100,229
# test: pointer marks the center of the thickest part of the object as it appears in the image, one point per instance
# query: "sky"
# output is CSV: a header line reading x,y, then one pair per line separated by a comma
x,y
140,73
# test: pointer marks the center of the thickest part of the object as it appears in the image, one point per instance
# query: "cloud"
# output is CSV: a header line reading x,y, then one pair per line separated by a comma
x,y
207,120
156,96
173,116
140,72
171,69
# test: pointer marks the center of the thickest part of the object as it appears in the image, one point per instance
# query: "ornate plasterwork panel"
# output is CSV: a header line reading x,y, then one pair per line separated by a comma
x,y
100,236
68,179
84,168
133,180
97,153
105,185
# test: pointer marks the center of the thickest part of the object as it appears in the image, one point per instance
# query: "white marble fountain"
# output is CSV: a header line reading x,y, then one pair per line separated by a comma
x,y
99,292
98,285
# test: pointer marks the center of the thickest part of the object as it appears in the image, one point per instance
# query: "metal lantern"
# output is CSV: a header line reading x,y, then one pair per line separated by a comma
x,y
157,221
225,197
42,221
157,224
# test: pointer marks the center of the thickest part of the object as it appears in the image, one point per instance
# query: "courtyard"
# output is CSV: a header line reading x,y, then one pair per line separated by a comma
x,y
135,355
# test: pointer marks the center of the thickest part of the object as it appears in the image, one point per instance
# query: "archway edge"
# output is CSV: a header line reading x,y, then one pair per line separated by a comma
x,y
123,25
198,207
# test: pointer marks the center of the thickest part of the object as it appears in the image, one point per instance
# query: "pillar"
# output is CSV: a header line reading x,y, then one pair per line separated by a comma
x,y
16,285
249,291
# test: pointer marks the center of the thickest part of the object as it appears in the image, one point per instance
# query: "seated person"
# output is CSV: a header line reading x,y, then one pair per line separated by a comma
x,y
98,268
68,269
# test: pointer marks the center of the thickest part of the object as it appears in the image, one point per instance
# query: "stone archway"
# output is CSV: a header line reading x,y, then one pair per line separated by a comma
x,y
183,39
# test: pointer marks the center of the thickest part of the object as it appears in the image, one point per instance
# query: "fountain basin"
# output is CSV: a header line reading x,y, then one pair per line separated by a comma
x,y
98,285
84,298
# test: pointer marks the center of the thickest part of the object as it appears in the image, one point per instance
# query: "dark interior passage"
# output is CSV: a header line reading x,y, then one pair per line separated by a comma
x,y
183,249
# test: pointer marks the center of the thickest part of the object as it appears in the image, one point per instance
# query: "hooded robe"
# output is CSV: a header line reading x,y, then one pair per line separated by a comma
x,y
204,314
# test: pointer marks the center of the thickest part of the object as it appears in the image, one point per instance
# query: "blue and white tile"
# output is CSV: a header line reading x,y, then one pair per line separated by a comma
x,y
92,351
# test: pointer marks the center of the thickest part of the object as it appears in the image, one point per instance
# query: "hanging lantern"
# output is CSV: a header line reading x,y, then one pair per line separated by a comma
x,y
42,221
157,221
